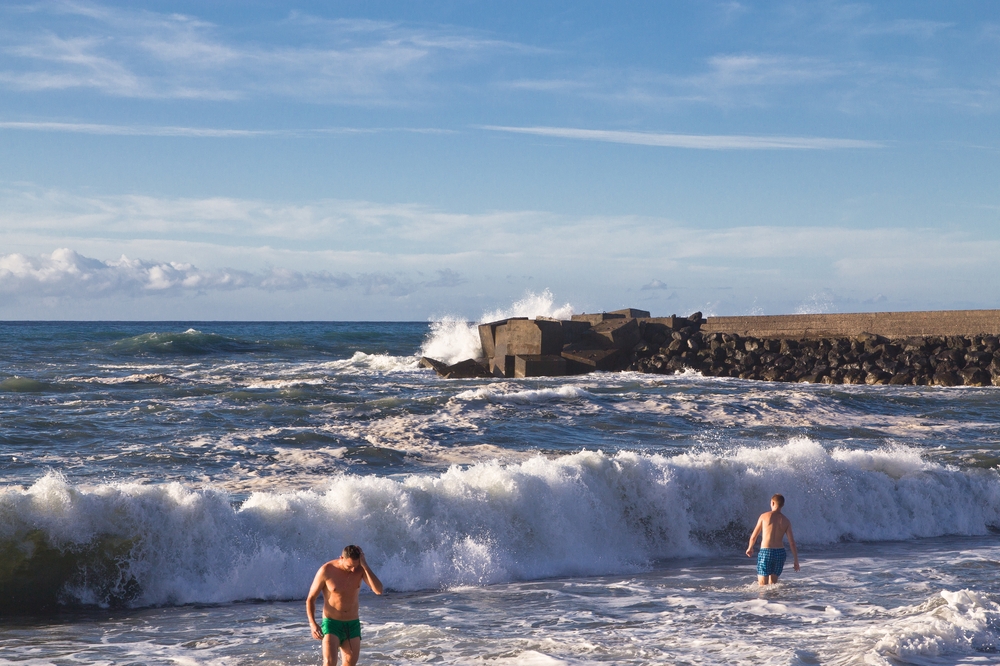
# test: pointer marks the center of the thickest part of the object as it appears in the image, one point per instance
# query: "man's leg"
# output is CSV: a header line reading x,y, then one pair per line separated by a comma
x,y
772,579
762,580
331,645
351,648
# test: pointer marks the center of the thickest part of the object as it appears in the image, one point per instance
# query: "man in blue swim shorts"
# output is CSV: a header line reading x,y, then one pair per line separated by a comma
x,y
339,581
772,526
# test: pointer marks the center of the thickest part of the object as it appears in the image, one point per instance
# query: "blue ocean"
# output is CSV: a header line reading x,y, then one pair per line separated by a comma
x,y
168,490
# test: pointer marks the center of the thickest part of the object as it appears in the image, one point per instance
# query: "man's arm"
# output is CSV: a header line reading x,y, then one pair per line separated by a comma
x,y
756,533
314,592
791,542
369,576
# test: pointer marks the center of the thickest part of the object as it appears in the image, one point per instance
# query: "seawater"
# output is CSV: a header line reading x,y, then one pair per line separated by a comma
x,y
167,491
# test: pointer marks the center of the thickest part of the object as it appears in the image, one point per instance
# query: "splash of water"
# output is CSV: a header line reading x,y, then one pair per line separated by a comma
x,y
452,339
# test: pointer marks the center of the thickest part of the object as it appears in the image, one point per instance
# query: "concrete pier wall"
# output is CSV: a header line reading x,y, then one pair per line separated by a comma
x,y
893,325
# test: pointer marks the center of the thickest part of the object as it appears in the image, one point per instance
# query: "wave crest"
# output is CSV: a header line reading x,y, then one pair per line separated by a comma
x,y
580,514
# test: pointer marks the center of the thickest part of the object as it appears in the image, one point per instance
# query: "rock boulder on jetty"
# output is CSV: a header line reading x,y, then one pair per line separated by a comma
x,y
921,348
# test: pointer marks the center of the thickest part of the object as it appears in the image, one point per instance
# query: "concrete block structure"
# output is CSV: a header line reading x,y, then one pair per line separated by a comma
x,y
617,333
589,360
539,365
597,318
502,366
631,313
537,336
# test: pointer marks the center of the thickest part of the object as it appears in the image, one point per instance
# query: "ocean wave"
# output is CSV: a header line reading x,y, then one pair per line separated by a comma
x,y
27,385
137,378
501,394
580,514
945,628
362,363
187,343
285,383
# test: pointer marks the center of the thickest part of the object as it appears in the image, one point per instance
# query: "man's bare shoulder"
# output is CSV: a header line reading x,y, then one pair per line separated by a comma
x,y
326,570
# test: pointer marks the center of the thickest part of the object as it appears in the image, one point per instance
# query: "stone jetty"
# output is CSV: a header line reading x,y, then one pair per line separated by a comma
x,y
945,348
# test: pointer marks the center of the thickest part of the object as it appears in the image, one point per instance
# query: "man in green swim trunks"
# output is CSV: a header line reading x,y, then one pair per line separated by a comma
x,y
339,581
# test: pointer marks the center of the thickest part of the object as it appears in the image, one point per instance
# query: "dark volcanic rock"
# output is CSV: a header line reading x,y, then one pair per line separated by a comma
x,y
946,378
467,369
973,376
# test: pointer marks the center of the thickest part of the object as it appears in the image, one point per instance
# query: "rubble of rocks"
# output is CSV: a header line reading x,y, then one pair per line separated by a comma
x,y
863,359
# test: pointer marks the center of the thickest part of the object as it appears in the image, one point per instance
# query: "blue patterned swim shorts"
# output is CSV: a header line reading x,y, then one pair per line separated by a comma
x,y
770,561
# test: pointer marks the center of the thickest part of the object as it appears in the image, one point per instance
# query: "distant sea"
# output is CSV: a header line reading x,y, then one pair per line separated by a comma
x,y
168,490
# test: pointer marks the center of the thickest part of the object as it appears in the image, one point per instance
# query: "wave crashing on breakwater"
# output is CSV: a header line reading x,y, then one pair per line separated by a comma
x,y
582,514
453,339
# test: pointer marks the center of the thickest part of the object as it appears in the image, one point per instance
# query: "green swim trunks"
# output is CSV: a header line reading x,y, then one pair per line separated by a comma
x,y
344,630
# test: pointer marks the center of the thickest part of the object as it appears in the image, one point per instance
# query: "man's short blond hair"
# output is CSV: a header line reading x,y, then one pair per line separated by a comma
x,y
780,499
352,552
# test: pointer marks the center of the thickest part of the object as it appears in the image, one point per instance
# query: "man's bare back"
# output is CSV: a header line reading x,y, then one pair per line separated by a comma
x,y
772,526
339,581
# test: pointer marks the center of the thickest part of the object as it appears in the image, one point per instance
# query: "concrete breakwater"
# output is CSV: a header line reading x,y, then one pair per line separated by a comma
x,y
950,348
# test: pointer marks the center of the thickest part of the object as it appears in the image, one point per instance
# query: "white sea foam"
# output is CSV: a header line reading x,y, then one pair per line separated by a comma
x,y
453,339
585,513
362,363
284,383
945,628
501,393
137,378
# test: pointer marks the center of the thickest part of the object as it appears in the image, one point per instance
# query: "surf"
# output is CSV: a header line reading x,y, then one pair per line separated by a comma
x,y
586,513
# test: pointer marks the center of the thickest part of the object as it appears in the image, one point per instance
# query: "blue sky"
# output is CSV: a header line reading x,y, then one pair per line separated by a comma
x,y
375,160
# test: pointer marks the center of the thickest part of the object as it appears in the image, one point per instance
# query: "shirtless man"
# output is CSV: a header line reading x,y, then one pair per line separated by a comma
x,y
339,581
771,559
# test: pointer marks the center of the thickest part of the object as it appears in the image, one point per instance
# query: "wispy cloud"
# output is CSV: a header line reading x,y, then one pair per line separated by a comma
x,y
923,29
203,132
144,54
694,141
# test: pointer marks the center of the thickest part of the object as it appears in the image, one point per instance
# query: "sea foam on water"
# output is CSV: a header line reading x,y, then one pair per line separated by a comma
x,y
950,624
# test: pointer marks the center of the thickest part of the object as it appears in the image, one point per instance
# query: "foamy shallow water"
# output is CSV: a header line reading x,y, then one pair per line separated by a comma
x,y
851,604
188,479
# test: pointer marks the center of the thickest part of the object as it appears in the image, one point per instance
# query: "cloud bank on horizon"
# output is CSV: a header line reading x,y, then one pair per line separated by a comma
x,y
369,162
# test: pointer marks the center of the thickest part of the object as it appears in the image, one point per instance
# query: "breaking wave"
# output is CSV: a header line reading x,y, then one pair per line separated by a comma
x,y
581,514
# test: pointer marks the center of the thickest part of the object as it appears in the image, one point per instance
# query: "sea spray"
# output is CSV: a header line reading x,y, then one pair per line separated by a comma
x,y
581,514
453,339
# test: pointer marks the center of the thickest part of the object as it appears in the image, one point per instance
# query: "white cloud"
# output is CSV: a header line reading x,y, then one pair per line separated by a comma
x,y
376,256
67,274
130,130
201,132
695,141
